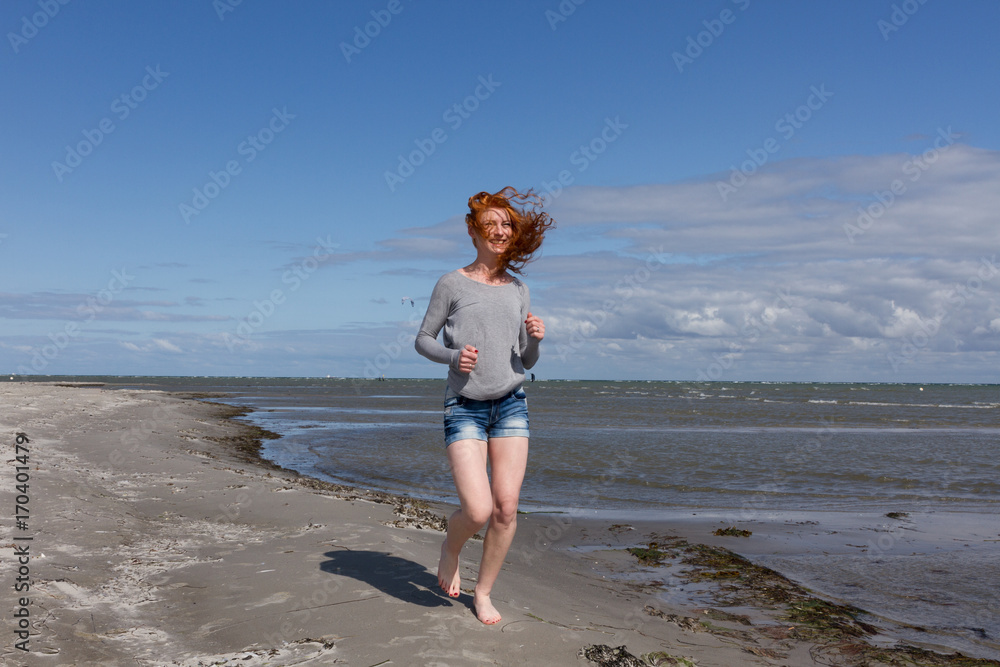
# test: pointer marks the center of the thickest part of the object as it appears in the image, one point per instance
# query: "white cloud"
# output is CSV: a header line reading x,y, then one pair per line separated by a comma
x,y
166,345
154,345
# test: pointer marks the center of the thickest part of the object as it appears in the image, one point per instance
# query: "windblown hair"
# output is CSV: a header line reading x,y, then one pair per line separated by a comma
x,y
528,224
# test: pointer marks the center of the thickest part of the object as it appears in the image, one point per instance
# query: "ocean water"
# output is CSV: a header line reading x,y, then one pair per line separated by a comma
x,y
622,447
829,459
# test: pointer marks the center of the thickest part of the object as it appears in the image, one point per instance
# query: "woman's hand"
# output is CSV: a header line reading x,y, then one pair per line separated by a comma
x,y
467,360
535,327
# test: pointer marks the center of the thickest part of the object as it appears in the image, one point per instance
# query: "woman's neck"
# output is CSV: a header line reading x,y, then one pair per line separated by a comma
x,y
486,272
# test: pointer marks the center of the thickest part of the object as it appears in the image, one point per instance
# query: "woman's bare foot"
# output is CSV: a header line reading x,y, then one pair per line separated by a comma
x,y
485,611
448,577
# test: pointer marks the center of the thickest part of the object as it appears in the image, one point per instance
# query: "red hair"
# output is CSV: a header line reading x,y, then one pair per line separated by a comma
x,y
528,224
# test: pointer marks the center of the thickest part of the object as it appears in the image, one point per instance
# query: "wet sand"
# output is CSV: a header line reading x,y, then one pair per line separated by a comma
x,y
153,536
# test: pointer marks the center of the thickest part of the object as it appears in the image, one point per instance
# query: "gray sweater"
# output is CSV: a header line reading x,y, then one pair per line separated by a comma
x,y
490,318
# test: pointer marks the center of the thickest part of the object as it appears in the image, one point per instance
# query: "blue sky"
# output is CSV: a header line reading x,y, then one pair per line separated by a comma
x,y
743,190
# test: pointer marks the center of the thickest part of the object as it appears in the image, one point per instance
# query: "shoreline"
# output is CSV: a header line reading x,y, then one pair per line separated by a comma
x,y
162,538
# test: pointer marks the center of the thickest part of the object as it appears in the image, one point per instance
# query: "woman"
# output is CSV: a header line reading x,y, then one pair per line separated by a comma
x,y
490,337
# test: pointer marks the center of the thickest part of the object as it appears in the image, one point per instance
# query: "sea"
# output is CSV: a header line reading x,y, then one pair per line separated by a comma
x,y
892,491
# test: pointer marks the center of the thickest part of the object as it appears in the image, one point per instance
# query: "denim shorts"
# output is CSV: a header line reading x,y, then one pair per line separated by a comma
x,y
504,417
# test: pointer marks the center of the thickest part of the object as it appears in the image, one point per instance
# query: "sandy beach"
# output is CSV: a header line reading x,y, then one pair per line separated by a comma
x,y
149,534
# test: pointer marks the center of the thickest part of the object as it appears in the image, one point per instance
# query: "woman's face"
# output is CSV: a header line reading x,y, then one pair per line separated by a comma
x,y
497,230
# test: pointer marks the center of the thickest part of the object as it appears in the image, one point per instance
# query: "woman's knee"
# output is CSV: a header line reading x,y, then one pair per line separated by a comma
x,y
505,512
478,513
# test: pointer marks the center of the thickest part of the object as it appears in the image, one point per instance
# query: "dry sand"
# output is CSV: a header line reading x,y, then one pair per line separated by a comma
x,y
154,541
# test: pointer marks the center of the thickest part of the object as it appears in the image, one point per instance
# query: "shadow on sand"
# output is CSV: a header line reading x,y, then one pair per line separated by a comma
x,y
395,576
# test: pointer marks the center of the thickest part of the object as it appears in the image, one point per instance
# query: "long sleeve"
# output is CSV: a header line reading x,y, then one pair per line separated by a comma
x,y
528,345
434,319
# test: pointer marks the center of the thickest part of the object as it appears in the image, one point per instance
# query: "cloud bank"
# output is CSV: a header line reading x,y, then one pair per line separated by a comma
x,y
855,268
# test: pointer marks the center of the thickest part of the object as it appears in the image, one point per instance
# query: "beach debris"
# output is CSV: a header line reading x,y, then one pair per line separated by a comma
x,y
901,655
732,531
748,584
720,615
897,515
683,622
818,618
247,443
296,652
648,555
605,656
836,632
769,653
719,574
662,659
414,513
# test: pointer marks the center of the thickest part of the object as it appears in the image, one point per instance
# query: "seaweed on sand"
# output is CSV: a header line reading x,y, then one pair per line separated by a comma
x,y
605,656
246,444
837,631
649,555
761,586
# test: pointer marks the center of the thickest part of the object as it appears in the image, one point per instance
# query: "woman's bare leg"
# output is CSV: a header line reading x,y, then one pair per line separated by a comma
x,y
467,459
508,459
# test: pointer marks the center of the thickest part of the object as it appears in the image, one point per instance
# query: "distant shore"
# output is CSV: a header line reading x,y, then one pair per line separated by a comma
x,y
156,536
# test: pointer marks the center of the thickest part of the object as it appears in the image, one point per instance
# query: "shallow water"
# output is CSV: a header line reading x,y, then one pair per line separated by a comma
x,y
749,447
